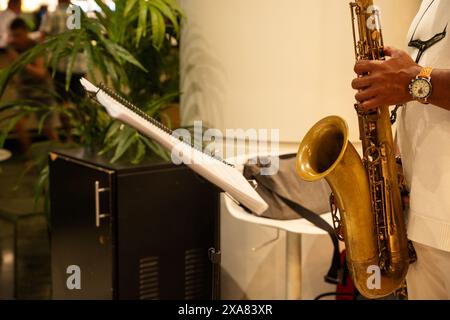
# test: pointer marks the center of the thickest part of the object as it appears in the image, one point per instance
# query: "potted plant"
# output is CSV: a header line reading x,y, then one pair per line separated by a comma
x,y
133,49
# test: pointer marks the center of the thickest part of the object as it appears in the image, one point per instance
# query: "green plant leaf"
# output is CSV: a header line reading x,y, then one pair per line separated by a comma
x,y
129,6
140,151
9,126
56,55
73,56
167,12
121,53
5,75
96,27
99,61
157,149
125,142
90,61
141,30
113,129
14,103
160,103
114,135
105,9
43,119
158,27
41,185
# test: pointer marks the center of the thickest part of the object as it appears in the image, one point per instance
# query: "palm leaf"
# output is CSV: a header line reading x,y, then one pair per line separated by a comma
x,y
158,27
140,151
62,44
124,143
105,9
43,119
73,56
41,185
156,148
160,102
129,6
167,12
141,30
90,59
10,125
120,54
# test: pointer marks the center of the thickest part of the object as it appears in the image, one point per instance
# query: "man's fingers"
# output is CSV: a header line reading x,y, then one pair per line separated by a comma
x,y
364,67
369,104
362,82
367,94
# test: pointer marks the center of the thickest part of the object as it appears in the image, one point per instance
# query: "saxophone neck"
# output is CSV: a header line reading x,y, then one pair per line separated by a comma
x,y
367,35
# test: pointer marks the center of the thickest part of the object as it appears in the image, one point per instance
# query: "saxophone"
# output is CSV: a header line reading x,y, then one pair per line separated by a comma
x,y
366,191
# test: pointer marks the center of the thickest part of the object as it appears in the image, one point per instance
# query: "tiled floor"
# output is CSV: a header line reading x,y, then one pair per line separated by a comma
x,y
32,254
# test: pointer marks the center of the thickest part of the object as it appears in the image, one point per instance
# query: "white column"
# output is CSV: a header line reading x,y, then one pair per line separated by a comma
x,y
293,266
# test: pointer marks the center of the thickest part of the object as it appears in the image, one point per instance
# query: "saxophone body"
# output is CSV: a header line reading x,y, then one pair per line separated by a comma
x,y
365,191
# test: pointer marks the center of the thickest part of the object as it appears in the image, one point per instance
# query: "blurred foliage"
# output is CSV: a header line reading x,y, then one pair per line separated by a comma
x,y
133,49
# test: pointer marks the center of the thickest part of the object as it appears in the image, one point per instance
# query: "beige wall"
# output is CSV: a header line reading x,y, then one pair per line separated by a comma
x,y
274,63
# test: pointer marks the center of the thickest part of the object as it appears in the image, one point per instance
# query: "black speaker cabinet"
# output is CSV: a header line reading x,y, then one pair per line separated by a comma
x,y
147,231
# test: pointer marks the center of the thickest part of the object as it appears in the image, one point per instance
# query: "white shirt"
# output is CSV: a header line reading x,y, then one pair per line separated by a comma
x,y
6,17
424,139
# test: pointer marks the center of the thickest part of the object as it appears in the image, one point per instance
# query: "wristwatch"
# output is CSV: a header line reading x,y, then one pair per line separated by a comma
x,y
420,87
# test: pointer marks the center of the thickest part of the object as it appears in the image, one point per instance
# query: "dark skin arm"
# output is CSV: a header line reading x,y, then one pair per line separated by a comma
x,y
382,83
36,68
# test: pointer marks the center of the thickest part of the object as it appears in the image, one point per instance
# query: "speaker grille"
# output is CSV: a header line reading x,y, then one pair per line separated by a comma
x,y
149,278
195,273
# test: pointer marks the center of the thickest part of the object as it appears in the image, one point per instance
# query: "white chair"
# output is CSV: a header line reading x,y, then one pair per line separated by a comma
x,y
295,229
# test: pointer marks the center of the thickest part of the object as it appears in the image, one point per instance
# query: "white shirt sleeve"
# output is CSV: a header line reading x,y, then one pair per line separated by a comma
x,y
6,17
46,25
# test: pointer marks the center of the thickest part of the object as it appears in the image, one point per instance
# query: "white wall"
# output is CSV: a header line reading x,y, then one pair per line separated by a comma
x,y
274,63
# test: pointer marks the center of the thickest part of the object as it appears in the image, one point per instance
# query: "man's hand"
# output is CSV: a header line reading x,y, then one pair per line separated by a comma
x,y
385,83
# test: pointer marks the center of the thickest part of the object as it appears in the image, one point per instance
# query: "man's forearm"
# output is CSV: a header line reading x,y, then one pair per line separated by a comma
x,y
36,71
440,96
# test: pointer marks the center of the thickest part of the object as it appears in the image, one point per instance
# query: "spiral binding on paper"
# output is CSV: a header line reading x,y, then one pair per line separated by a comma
x,y
138,111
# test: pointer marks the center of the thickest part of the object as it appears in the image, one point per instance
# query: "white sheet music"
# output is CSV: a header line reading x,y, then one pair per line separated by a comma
x,y
222,175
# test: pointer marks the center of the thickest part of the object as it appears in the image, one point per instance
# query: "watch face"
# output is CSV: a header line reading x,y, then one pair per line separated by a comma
x,y
421,88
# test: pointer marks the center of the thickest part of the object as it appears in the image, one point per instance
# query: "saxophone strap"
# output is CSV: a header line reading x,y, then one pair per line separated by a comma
x,y
334,274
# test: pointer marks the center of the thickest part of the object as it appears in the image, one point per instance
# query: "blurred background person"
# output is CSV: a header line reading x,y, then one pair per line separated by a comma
x,y
32,83
38,16
6,17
